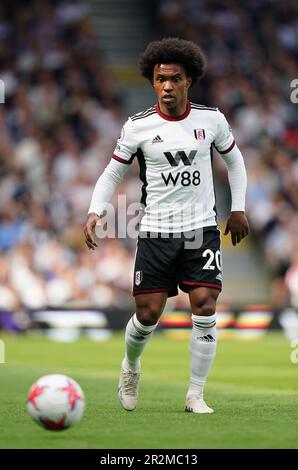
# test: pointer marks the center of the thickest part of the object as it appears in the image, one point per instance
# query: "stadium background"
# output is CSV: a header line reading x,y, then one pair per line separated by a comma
x,y
70,78
70,75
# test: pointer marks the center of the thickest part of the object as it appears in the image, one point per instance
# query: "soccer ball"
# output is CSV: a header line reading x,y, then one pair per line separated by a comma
x,y
56,402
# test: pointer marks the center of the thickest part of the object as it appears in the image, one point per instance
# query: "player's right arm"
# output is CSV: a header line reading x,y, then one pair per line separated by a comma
x,y
109,180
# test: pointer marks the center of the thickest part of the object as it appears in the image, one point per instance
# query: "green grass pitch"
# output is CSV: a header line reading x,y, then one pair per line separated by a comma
x,y
252,387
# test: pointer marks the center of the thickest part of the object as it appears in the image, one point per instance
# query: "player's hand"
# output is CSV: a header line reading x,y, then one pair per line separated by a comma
x,y
92,219
237,225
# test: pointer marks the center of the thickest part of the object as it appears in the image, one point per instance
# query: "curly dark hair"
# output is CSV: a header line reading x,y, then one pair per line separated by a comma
x,y
173,51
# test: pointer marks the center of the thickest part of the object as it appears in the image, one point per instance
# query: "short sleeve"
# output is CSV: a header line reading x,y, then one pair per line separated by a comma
x,y
224,140
127,144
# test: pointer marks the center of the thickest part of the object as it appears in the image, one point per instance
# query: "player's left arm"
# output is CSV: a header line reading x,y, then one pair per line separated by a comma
x,y
237,224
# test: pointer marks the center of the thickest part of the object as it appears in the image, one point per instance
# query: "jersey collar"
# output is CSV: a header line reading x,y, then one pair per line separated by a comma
x,y
179,118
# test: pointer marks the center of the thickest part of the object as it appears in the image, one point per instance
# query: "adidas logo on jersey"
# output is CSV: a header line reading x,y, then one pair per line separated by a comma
x,y
219,277
157,140
206,339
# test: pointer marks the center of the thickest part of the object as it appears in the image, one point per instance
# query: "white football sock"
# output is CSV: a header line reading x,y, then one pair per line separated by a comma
x,y
136,338
202,351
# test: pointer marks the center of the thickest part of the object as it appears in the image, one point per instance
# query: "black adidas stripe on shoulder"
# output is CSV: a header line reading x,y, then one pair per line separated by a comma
x,y
202,107
144,114
143,117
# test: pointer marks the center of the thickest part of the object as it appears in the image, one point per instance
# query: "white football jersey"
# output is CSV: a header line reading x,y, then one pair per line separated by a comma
x,y
175,158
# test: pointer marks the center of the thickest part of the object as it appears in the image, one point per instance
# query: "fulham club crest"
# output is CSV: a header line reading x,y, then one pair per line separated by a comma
x,y
199,134
138,277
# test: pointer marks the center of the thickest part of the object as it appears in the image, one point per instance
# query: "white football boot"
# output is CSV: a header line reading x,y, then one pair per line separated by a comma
x,y
196,404
128,389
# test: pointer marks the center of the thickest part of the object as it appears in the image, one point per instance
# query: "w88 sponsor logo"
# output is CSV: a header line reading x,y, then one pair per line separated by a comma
x,y
184,177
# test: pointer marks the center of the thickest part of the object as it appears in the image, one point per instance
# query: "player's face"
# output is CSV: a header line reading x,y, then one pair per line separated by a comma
x,y
171,85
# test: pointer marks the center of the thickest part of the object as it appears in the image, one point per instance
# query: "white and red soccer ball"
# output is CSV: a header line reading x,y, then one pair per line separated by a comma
x,y
56,402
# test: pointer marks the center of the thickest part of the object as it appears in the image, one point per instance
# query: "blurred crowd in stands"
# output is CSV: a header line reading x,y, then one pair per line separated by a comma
x,y
58,127
252,52
62,116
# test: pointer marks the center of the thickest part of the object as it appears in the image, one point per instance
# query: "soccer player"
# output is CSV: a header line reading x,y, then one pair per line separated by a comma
x,y
173,143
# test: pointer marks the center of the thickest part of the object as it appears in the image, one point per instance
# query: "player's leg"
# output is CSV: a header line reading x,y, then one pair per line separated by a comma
x,y
140,327
201,277
202,345
154,281
139,330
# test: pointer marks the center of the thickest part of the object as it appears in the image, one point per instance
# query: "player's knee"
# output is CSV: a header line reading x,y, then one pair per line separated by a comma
x,y
148,314
204,306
